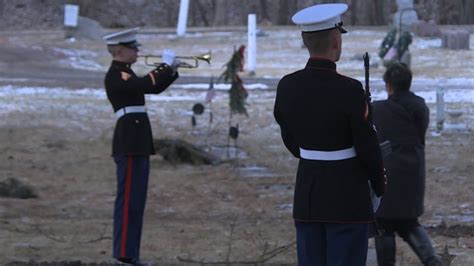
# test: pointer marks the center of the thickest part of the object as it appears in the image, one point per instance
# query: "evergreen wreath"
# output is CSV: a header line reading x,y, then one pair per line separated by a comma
x,y
387,42
400,46
237,93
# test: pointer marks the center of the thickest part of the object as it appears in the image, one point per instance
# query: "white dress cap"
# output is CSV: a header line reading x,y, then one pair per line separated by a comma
x,y
320,17
126,38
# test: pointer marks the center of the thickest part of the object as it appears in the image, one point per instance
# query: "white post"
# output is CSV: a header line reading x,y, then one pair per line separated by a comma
x,y
252,44
183,18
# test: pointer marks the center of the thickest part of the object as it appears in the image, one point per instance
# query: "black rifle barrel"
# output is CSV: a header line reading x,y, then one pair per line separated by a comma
x,y
385,146
367,66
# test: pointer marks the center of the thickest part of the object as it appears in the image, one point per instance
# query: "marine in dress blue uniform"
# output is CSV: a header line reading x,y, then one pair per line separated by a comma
x,y
323,117
132,139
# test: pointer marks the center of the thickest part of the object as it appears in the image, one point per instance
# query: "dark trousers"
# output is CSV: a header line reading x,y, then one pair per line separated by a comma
x,y
412,233
132,184
331,244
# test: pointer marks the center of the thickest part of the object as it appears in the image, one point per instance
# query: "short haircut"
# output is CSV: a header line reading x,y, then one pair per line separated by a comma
x,y
399,76
113,49
319,41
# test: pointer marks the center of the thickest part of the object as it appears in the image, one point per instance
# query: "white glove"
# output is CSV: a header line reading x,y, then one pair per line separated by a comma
x,y
168,56
176,63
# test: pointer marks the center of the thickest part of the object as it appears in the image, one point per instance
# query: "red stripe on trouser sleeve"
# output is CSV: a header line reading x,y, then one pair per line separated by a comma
x,y
128,188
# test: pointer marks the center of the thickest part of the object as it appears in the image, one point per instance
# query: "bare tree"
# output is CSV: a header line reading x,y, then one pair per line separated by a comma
x,y
264,10
283,12
379,12
353,11
220,14
200,17
467,7
449,13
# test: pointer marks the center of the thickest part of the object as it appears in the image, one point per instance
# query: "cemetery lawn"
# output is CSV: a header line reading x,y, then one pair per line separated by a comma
x,y
56,127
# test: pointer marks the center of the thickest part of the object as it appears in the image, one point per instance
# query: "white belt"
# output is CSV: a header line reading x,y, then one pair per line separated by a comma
x,y
130,109
328,155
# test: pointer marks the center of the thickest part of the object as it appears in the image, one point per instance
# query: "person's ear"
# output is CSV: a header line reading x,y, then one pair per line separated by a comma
x,y
389,89
336,40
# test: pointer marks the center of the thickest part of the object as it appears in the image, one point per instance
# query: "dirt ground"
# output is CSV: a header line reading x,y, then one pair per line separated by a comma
x,y
57,139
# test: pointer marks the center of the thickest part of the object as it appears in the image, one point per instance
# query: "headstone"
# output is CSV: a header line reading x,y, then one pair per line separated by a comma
x,y
88,29
455,39
426,29
71,20
454,123
406,14
71,15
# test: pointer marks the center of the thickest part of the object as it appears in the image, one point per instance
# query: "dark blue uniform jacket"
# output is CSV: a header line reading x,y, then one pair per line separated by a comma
x,y
319,109
133,135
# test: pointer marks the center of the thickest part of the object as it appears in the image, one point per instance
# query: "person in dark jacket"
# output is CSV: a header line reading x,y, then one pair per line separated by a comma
x,y
403,120
132,139
323,117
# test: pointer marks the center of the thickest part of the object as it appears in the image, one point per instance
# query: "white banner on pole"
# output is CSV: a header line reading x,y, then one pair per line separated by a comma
x,y
71,15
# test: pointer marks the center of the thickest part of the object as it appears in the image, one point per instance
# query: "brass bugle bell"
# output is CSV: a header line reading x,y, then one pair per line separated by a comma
x,y
153,60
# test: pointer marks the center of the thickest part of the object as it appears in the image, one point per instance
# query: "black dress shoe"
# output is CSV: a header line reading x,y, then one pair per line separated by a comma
x,y
125,261
134,262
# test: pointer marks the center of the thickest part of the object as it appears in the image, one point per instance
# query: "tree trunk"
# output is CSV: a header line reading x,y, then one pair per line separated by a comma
x,y
468,8
379,12
220,14
284,16
264,10
354,12
201,13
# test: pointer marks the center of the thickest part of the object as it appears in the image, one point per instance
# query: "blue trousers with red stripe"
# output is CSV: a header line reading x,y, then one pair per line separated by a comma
x,y
331,244
132,185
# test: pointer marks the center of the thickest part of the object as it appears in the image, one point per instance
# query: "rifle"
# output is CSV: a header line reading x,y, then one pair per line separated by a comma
x,y
385,146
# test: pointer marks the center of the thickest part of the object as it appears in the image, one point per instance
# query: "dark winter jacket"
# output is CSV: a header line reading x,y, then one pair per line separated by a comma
x,y
403,119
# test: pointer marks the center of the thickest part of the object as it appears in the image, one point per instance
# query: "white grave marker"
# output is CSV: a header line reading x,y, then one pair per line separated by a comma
x,y
71,15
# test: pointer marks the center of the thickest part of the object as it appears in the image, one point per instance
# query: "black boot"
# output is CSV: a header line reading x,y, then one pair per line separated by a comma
x,y
420,242
385,249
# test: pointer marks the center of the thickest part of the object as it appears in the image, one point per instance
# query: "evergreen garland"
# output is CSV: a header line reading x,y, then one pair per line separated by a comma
x,y
404,41
401,46
387,42
237,93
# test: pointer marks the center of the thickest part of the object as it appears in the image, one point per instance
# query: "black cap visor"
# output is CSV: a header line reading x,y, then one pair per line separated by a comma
x,y
336,26
340,28
132,44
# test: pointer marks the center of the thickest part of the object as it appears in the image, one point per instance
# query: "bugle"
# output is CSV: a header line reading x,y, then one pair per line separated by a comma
x,y
152,60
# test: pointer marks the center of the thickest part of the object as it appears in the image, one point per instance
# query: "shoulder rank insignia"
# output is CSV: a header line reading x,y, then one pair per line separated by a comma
x,y
125,75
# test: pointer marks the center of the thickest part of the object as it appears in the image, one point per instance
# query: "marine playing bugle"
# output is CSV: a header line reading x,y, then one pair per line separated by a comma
x,y
152,60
